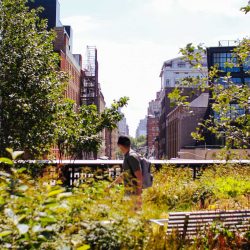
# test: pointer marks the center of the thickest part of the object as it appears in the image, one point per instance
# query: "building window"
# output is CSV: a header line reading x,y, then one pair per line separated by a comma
x,y
247,81
177,82
167,82
224,81
181,64
246,65
221,59
237,81
234,112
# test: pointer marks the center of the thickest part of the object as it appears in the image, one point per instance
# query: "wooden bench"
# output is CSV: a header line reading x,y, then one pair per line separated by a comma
x,y
189,224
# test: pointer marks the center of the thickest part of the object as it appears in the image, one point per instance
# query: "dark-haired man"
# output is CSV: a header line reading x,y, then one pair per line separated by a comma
x,y
132,174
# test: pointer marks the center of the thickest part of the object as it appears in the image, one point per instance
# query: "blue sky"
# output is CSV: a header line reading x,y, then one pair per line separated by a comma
x,y
134,37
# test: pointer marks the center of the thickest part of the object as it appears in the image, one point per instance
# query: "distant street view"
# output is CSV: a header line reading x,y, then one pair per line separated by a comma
x,y
124,124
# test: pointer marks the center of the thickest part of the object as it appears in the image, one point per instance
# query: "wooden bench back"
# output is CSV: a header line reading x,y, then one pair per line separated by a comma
x,y
191,223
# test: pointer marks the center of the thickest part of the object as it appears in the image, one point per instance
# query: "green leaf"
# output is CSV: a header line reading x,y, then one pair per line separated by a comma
x,y
55,192
6,161
85,247
2,201
9,150
22,217
21,170
5,233
48,220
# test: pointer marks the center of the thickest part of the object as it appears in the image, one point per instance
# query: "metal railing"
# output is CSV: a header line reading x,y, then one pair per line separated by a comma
x,y
77,171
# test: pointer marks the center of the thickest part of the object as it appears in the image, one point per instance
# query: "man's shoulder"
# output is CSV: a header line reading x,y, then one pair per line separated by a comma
x,y
133,154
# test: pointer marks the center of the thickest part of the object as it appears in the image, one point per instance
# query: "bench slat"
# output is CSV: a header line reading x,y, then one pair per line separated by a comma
x,y
209,216
197,223
204,221
209,212
219,215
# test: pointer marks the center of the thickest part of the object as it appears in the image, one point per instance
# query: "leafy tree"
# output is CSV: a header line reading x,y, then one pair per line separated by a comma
x,y
138,143
224,120
246,9
30,83
79,132
34,114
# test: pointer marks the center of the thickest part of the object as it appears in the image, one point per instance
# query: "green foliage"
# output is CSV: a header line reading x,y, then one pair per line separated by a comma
x,y
218,237
245,9
177,98
34,113
79,131
31,84
218,187
36,215
138,143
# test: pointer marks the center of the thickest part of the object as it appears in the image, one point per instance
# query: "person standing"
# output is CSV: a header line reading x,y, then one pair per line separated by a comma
x,y
132,173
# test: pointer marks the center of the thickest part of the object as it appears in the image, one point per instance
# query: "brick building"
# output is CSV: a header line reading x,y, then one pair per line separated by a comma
x,y
153,130
153,136
83,86
166,108
70,64
111,138
102,106
173,72
181,122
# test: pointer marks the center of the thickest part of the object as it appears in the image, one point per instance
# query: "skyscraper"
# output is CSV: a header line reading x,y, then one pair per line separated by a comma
x,y
142,128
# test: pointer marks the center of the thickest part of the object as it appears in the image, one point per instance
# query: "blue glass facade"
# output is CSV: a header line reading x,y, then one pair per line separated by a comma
x,y
224,59
221,59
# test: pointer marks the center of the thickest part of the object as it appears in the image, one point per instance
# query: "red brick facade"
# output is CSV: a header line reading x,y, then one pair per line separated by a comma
x,y
111,139
72,66
69,65
181,122
153,136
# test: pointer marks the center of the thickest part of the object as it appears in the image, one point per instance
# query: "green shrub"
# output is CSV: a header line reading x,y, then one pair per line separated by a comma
x,y
35,215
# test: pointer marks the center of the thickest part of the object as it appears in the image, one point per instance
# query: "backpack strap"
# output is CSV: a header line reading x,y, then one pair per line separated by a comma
x,y
131,170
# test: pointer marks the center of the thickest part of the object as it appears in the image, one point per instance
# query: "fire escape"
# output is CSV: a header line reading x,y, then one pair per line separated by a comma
x,y
90,86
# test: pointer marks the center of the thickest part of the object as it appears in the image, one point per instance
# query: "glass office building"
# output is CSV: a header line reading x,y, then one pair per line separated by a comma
x,y
223,57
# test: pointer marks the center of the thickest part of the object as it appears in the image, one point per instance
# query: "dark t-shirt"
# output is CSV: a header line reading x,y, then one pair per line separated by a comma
x,y
131,164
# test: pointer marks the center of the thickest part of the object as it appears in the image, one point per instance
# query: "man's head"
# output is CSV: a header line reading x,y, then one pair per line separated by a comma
x,y
124,144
